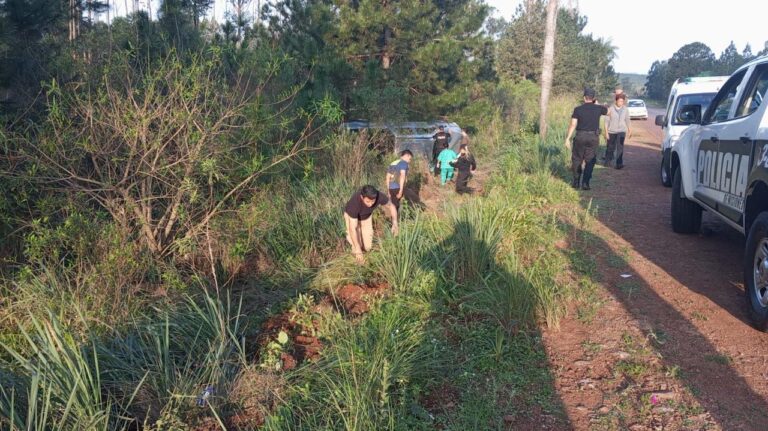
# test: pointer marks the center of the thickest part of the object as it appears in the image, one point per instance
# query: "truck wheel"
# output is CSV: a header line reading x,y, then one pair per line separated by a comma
x,y
756,272
686,214
666,179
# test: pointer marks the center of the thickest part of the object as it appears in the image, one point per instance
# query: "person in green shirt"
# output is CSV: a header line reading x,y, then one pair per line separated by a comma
x,y
444,160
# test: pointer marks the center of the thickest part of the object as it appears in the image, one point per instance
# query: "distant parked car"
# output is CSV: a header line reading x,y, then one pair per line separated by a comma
x,y
637,109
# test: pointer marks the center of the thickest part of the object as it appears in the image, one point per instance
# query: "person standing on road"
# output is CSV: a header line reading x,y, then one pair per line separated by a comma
x,y
442,139
585,121
396,177
465,164
618,128
358,220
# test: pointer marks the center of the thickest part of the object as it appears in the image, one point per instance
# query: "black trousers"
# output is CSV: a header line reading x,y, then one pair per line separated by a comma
x,y
615,145
462,182
584,152
394,199
436,152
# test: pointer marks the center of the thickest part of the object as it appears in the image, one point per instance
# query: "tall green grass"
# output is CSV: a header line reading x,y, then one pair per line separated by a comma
x,y
402,257
363,378
152,369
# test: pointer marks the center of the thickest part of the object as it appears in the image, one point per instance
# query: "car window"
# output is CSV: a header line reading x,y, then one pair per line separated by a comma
x,y
636,103
755,93
722,104
703,100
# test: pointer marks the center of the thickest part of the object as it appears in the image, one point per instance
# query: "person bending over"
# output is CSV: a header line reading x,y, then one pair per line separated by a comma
x,y
358,220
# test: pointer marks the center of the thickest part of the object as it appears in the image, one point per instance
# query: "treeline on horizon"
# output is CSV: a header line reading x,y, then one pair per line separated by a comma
x,y
695,59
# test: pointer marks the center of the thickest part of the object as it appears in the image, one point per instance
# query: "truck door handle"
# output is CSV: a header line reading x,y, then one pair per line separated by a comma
x,y
745,140
714,139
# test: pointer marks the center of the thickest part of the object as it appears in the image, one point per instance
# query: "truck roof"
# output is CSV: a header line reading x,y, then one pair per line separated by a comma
x,y
699,84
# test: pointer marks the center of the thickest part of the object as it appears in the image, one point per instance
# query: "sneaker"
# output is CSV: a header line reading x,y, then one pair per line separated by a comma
x,y
585,186
575,183
619,166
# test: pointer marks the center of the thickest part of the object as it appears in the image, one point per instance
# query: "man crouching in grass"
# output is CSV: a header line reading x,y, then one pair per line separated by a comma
x,y
357,217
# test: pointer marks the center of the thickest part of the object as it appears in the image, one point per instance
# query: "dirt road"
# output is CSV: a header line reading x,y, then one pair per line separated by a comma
x,y
670,345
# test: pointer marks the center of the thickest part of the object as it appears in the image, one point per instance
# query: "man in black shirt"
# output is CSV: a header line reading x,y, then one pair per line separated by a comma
x,y
441,138
585,121
357,217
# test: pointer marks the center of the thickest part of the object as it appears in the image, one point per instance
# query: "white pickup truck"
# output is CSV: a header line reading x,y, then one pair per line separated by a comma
x,y
720,163
685,91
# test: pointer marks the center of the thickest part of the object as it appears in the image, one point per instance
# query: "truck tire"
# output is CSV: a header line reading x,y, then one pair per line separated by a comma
x,y
686,214
756,272
666,178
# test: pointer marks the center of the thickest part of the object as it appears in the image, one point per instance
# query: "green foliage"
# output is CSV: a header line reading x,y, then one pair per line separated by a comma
x,y
693,59
394,53
580,59
169,150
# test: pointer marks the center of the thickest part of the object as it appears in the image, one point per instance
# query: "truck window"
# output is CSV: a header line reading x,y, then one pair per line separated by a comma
x,y
721,106
755,93
702,100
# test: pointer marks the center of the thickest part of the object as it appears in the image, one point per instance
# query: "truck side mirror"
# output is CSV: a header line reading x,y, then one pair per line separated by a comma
x,y
689,114
660,120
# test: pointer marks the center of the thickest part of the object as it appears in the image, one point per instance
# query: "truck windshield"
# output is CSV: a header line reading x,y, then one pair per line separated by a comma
x,y
702,100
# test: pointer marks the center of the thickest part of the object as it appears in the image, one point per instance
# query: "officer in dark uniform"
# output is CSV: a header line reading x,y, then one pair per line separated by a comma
x,y
585,121
441,138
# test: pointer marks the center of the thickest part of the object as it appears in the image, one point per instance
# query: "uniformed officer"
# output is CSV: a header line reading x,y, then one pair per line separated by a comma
x,y
585,121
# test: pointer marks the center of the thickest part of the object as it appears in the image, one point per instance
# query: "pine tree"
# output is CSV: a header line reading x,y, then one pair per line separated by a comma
x,y
580,59
655,84
747,53
729,60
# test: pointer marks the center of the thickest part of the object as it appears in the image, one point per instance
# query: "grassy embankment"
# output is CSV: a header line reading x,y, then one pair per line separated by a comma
x,y
453,341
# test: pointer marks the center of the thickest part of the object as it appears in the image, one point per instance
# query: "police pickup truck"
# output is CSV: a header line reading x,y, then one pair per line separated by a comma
x,y
720,163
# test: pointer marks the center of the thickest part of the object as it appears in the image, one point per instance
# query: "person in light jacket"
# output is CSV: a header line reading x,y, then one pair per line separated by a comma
x,y
618,128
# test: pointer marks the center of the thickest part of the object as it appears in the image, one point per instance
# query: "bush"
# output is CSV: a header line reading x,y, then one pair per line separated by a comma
x,y
164,151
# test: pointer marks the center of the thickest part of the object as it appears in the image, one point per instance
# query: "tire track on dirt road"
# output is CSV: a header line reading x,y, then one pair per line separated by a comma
x,y
683,306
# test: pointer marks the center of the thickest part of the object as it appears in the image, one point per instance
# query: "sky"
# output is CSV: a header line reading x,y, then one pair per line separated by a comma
x,y
649,30
641,30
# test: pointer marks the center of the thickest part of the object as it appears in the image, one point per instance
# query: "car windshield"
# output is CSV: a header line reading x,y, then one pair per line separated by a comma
x,y
703,100
636,104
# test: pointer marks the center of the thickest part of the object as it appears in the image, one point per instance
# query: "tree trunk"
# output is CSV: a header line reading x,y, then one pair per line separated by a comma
x,y
386,55
386,58
74,20
547,66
